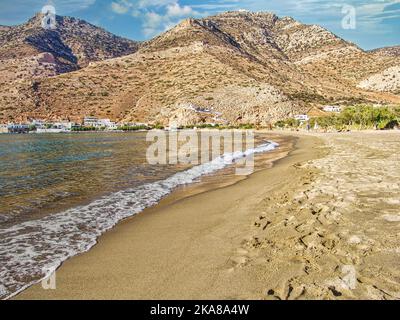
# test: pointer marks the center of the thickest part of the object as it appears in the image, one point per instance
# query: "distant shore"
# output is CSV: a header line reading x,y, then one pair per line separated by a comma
x,y
320,224
275,130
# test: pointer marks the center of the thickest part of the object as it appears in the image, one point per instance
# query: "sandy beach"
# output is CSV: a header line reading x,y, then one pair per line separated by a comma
x,y
322,223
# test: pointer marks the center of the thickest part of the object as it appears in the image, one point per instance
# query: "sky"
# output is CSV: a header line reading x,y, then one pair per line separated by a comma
x,y
368,23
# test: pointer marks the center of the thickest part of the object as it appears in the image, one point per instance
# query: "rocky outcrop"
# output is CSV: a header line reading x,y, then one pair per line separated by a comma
x,y
388,51
386,81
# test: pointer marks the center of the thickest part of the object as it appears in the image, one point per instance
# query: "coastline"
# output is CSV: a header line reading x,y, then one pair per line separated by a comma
x,y
75,230
322,223
166,231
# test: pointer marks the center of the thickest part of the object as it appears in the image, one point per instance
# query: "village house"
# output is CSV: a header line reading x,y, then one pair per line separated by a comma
x,y
302,117
107,123
3,128
18,128
335,109
99,123
38,124
90,121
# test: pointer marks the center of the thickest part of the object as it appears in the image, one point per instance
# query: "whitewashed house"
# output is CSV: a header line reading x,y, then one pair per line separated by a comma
x,y
107,123
99,123
90,122
39,124
335,109
302,117
3,128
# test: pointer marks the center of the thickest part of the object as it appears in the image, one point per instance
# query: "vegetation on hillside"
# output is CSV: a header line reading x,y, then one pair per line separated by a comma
x,y
246,126
134,128
80,129
355,117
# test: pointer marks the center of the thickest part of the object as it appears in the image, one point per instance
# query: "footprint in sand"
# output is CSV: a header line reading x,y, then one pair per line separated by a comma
x,y
266,225
391,217
304,226
260,221
312,240
287,290
246,253
393,201
354,240
346,281
239,260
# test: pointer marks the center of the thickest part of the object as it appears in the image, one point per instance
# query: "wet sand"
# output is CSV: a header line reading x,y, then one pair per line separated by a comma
x,y
322,223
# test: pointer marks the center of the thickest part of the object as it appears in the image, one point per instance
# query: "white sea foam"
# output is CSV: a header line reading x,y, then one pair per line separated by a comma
x,y
30,248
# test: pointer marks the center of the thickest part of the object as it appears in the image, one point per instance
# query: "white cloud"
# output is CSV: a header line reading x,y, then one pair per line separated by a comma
x,y
154,3
153,20
175,10
218,5
156,15
159,15
153,23
119,8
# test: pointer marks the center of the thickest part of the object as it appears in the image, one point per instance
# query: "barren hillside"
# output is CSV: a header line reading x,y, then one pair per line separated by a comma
x,y
29,51
237,67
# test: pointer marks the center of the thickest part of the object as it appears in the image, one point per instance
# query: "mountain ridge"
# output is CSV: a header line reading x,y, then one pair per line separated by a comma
x,y
390,50
244,67
74,43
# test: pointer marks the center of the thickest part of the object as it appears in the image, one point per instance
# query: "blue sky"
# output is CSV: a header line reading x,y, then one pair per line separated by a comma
x,y
377,21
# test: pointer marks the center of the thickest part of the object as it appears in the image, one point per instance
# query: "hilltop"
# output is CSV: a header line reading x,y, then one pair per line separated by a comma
x,y
236,67
30,51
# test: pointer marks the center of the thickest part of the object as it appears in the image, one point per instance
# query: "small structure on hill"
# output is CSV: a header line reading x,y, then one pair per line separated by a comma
x,y
335,109
302,117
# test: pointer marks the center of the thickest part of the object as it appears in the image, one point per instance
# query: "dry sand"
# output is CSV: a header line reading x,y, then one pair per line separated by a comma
x,y
323,223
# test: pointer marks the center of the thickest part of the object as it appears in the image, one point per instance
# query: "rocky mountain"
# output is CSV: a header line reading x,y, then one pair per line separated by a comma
x,y
236,67
30,51
387,79
388,51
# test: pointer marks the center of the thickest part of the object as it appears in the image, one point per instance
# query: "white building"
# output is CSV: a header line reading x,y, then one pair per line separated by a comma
x,y
64,125
99,123
107,123
57,127
18,128
336,109
39,124
90,121
3,128
302,117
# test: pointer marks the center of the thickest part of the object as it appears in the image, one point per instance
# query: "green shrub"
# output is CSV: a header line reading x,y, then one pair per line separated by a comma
x,y
288,123
80,129
158,126
133,128
361,117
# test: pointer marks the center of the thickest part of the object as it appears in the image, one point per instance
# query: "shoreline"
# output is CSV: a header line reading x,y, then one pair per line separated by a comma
x,y
322,223
152,219
262,130
173,183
